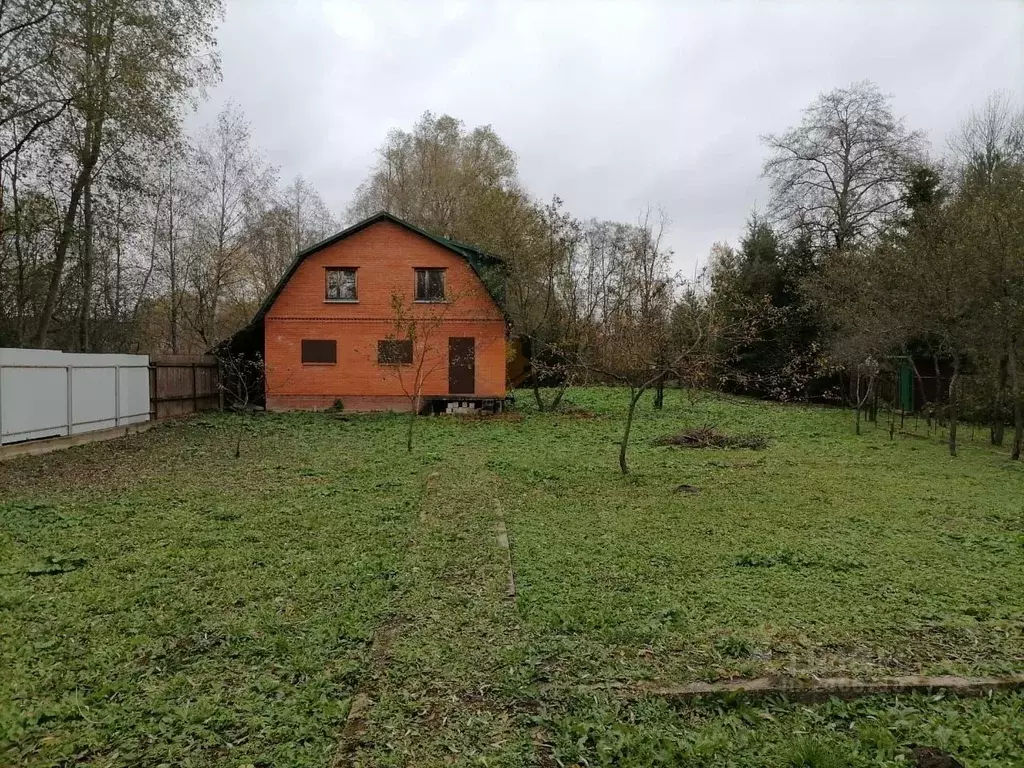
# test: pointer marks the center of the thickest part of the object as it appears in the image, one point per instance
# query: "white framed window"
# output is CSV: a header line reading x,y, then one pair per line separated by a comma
x,y
341,284
429,284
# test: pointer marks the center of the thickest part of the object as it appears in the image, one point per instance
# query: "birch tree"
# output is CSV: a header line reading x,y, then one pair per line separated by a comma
x,y
235,185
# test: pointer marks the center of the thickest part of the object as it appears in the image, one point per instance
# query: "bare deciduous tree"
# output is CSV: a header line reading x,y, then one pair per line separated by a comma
x,y
840,174
412,353
235,184
854,292
640,325
536,250
990,139
242,382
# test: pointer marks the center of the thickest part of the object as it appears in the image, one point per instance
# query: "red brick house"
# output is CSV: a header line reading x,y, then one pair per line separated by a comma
x,y
329,333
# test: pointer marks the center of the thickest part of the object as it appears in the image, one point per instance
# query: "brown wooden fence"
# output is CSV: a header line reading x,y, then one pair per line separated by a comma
x,y
183,384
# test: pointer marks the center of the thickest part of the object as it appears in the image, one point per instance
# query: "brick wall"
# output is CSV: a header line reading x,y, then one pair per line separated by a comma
x,y
385,255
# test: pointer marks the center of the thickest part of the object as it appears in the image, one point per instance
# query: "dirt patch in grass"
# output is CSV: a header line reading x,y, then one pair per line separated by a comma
x,y
110,464
569,409
709,437
356,722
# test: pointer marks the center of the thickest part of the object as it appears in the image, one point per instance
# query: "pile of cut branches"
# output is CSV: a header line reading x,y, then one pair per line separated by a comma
x,y
709,437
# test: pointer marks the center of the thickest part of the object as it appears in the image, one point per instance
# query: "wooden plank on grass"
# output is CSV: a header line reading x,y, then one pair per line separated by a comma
x,y
817,689
505,546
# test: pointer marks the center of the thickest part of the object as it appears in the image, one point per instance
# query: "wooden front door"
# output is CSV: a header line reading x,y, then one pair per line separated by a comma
x,y
461,365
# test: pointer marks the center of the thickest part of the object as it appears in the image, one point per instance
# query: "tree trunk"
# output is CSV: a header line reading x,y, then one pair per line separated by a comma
x,y
856,407
953,406
87,267
920,384
999,403
558,396
96,94
21,294
60,256
659,393
172,262
535,383
412,422
1018,412
633,400
892,408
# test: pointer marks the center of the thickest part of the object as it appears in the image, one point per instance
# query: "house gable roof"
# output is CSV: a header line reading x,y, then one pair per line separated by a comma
x,y
479,260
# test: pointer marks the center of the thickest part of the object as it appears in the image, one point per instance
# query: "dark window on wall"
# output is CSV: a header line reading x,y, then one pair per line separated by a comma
x,y
341,284
429,285
394,352
319,351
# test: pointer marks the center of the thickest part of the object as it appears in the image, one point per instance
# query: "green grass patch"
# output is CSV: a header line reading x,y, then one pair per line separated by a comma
x,y
164,602
777,734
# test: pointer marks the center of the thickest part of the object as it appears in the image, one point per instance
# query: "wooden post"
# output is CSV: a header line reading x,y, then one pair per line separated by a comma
x,y
195,391
220,384
154,402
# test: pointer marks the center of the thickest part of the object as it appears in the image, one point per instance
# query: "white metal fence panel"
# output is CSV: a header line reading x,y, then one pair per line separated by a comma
x,y
133,393
46,393
93,396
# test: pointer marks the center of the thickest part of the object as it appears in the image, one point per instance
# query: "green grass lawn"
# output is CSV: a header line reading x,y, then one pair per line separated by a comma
x,y
162,602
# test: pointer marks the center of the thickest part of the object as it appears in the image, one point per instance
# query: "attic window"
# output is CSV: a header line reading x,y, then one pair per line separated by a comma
x,y
341,284
430,285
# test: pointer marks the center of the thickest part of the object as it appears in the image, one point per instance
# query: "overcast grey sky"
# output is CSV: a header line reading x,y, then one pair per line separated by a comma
x,y
611,104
